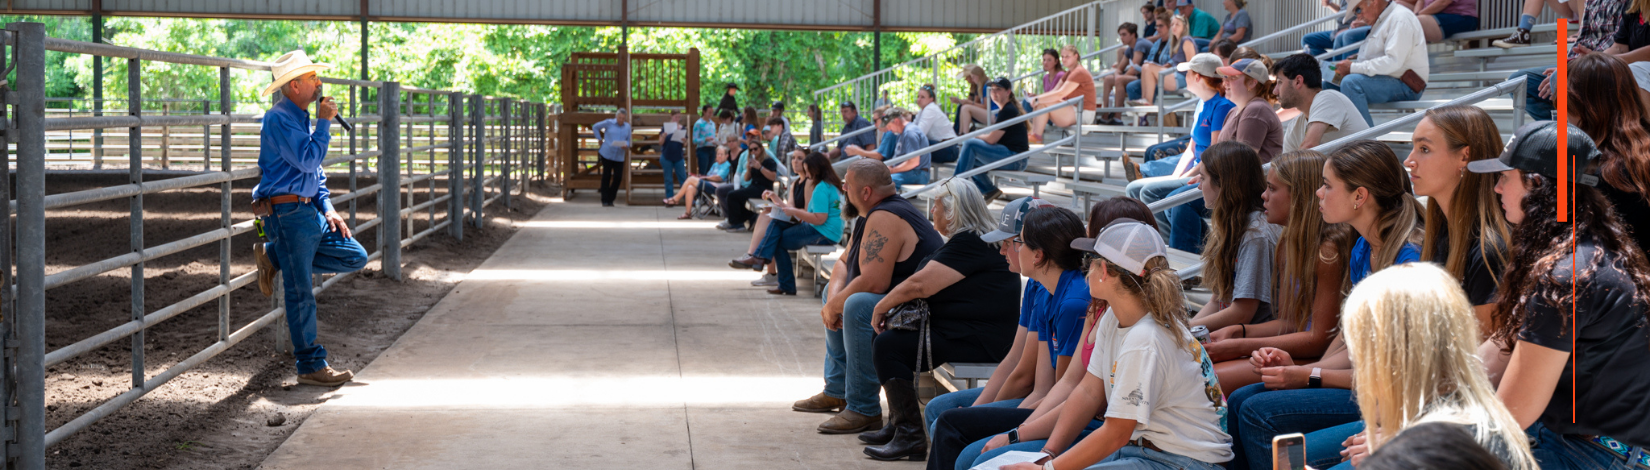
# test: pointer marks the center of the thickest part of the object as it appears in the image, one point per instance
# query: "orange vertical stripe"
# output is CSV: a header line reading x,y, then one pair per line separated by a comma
x,y
1561,91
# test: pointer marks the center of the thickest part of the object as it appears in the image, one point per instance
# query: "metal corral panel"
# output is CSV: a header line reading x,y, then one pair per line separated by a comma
x,y
574,11
325,8
995,15
802,14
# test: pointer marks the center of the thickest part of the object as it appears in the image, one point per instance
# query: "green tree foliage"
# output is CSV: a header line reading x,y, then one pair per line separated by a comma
x,y
520,61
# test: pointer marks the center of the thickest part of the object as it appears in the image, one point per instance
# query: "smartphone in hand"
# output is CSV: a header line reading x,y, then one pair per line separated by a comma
x,y
1289,452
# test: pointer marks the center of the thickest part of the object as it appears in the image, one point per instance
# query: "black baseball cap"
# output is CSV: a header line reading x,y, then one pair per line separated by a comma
x,y
849,105
733,86
779,105
1534,148
1001,82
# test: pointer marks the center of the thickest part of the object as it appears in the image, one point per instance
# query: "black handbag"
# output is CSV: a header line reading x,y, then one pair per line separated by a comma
x,y
913,315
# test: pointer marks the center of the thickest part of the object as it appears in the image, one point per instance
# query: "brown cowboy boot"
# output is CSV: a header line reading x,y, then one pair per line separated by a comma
x,y
849,422
819,403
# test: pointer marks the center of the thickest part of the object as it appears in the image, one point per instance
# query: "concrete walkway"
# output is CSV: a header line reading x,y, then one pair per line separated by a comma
x,y
595,338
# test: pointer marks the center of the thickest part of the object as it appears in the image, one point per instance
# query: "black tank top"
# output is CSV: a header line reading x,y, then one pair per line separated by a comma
x,y
928,240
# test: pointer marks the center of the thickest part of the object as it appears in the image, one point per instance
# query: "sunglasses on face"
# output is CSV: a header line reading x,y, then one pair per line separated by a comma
x,y
1089,259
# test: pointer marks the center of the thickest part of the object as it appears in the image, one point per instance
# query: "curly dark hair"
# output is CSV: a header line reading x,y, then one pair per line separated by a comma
x,y
1541,244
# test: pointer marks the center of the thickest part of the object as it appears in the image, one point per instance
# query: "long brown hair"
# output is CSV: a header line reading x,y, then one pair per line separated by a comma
x,y
1294,283
1233,169
1606,105
1478,215
1372,165
820,170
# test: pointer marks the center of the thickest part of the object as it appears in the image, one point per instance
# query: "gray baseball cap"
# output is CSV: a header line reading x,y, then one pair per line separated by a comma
x,y
1014,216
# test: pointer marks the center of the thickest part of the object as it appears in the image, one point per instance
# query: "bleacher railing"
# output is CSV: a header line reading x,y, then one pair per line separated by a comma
x,y
1006,53
495,140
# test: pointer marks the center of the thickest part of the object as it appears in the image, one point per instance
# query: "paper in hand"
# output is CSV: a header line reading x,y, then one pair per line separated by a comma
x,y
1009,458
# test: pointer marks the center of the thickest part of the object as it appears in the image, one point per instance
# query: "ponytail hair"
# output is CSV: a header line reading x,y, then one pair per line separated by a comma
x,y
1160,290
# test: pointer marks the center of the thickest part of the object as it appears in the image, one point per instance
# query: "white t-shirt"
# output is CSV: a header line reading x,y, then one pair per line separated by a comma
x,y
1173,396
934,124
1329,107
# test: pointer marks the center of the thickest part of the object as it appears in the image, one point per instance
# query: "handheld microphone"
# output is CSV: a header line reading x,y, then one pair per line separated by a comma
x,y
339,118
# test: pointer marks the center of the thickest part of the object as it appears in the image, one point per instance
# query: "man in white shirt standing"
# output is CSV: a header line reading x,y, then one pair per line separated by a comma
x,y
1326,115
1396,45
931,119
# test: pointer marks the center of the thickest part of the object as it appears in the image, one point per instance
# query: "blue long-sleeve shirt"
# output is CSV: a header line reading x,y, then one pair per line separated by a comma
x,y
611,131
290,155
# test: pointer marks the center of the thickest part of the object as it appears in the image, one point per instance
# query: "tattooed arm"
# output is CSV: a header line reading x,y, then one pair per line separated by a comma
x,y
882,244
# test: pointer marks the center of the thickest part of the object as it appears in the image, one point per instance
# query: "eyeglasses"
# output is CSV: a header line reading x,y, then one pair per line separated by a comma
x,y
1089,258
1017,240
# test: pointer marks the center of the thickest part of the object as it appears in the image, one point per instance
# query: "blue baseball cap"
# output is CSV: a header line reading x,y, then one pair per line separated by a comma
x,y
1014,216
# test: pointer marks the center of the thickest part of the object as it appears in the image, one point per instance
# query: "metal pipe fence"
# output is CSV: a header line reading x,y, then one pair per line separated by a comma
x,y
438,159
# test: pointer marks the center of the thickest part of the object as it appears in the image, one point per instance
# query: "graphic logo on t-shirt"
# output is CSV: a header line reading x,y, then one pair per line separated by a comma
x,y
1211,382
1134,398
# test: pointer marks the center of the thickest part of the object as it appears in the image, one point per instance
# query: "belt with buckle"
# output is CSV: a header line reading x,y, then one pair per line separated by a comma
x,y
1622,450
288,199
1145,444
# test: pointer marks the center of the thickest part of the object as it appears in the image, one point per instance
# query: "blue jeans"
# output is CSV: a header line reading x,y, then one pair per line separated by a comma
x,y
1168,148
1133,88
945,155
1365,89
1149,190
1324,41
1541,109
1186,226
1262,414
850,373
675,174
1323,447
706,157
301,244
777,243
973,455
976,153
917,176
958,399
1554,451
1132,457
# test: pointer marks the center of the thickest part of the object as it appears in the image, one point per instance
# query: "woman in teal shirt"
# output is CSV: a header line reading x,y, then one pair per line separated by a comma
x,y
819,224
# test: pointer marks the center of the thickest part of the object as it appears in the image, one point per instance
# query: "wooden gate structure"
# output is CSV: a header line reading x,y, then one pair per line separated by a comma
x,y
594,85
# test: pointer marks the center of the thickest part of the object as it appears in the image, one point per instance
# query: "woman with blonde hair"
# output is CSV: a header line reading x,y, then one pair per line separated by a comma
x,y
974,108
1180,46
1466,231
1365,187
1413,339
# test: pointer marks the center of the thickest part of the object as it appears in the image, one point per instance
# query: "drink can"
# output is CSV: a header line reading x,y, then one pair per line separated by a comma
x,y
1201,333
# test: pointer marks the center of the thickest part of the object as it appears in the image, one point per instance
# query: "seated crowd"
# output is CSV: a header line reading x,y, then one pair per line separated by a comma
x,y
1400,311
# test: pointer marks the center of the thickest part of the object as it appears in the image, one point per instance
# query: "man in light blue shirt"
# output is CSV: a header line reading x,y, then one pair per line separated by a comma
x,y
305,234
615,137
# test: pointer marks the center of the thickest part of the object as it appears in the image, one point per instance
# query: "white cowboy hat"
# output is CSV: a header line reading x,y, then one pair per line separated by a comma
x,y
289,66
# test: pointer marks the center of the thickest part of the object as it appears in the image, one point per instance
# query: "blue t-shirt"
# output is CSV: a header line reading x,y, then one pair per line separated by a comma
x,y
912,140
1359,261
1060,314
886,147
827,200
1028,304
720,169
1210,121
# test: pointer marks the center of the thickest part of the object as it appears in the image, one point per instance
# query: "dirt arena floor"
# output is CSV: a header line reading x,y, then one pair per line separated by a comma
x,y
233,410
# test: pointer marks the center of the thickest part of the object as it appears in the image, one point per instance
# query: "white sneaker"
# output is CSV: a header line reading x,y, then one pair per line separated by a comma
x,y
767,280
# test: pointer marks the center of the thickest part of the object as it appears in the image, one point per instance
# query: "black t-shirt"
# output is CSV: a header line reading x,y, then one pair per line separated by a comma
x,y
1014,137
984,306
1633,33
759,180
1613,389
1480,277
1633,211
728,104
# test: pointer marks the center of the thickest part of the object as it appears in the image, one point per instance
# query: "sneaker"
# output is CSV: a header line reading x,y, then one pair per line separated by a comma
x,y
327,377
724,225
1131,170
767,280
1517,39
736,230
993,195
266,270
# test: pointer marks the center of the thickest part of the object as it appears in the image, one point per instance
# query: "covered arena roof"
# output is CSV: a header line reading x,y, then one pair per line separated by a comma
x,y
841,15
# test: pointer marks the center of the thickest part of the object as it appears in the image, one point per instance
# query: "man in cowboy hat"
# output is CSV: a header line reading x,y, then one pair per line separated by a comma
x,y
305,234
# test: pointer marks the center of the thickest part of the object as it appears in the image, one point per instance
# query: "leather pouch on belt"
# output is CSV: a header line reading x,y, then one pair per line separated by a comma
x,y
262,207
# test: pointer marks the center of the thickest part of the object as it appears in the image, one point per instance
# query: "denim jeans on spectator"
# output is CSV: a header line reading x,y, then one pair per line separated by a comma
x,y
1133,457
1346,38
960,428
1167,148
958,399
1256,415
706,157
976,153
1364,90
675,174
1541,109
1149,190
975,450
777,243
1160,167
302,243
1318,42
1133,88
1554,451
850,373
1323,447
945,155
1186,225
911,177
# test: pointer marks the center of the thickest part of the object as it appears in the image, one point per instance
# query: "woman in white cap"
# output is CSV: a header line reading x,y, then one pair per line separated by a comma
x,y
1148,378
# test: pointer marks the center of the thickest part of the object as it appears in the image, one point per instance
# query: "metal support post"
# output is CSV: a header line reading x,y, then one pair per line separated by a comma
x,y
507,119
544,141
8,310
226,192
1094,26
1013,55
1518,97
30,49
389,179
455,165
134,145
478,155
97,88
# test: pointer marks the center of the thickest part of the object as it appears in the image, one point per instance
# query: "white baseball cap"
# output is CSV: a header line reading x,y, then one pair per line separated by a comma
x,y
1127,243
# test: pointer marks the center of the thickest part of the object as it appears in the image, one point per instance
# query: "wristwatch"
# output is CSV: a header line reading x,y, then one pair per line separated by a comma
x,y
1014,436
1316,379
